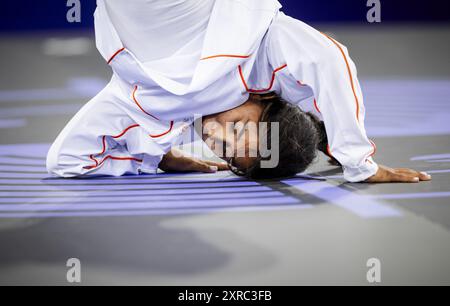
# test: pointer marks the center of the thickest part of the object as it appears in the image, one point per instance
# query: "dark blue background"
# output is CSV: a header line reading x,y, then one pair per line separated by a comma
x,y
26,15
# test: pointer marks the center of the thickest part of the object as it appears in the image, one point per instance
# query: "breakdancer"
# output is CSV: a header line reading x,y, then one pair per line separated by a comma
x,y
242,62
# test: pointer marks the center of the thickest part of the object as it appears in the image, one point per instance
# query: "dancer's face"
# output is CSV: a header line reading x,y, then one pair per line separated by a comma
x,y
233,134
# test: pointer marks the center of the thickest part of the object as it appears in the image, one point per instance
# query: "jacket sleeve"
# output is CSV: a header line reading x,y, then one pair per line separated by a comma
x,y
318,61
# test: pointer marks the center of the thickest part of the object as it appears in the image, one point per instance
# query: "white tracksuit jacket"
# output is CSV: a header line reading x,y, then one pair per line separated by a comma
x,y
174,59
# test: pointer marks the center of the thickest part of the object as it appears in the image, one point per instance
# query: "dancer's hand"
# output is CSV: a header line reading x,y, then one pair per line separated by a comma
x,y
398,175
174,161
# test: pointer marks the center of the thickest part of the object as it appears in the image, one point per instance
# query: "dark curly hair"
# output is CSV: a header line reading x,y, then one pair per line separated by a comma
x,y
301,134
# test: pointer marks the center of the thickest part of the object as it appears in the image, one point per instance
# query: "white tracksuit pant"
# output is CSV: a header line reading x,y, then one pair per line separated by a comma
x,y
249,47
